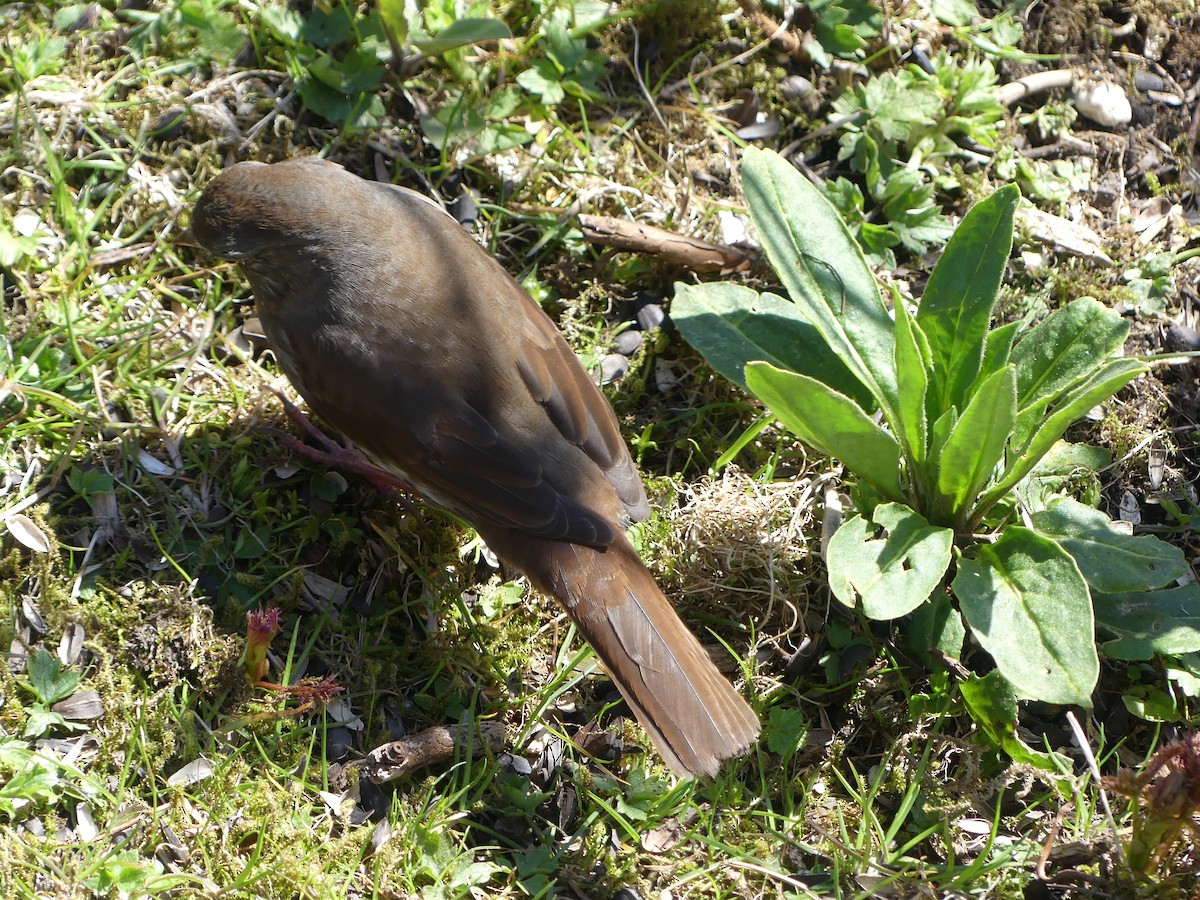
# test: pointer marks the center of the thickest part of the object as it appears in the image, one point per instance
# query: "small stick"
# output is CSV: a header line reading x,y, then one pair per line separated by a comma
x,y
433,745
691,253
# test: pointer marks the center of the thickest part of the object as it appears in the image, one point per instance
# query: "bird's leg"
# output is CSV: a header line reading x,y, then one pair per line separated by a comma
x,y
340,455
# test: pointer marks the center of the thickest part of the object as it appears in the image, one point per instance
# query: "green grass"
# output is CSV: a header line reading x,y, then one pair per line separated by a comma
x,y
134,421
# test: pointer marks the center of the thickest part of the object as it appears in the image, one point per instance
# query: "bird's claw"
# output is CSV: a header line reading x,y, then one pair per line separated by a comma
x,y
341,455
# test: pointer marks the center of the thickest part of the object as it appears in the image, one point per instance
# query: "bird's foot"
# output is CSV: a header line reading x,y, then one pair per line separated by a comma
x,y
340,455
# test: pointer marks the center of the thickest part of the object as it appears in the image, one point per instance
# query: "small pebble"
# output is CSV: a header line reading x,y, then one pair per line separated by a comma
x,y
169,125
665,378
628,342
518,765
1103,102
794,87
612,367
650,316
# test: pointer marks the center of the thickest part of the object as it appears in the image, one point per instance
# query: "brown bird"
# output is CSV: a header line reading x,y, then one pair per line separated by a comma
x,y
405,335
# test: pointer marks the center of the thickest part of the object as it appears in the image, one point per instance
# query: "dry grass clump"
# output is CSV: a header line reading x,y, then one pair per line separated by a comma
x,y
749,548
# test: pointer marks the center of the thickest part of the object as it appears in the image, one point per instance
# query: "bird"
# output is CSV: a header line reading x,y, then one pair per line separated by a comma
x,y
405,335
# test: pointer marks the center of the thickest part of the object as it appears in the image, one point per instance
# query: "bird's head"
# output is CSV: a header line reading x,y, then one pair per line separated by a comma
x,y
252,208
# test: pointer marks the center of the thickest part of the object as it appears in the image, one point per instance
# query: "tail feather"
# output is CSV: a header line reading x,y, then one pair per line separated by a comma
x,y
690,710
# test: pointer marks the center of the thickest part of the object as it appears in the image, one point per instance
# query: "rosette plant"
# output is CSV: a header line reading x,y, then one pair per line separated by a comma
x,y
950,430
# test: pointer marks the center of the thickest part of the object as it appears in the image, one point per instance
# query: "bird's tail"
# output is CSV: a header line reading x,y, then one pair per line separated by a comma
x,y
690,710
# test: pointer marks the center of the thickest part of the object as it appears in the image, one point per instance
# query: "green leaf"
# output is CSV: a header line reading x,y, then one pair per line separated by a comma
x,y
1146,623
1067,470
219,36
913,357
1110,379
356,72
34,784
831,423
993,707
1064,349
328,26
42,719
395,22
48,679
997,348
1111,560
1029,607
785,730
732,325
1150,703
462,33
14,247
954,12
956,309
976,445
935,625
819,263
543,80
891,574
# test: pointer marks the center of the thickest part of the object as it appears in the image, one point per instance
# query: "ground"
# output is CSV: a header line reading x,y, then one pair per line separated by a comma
x,y
149,502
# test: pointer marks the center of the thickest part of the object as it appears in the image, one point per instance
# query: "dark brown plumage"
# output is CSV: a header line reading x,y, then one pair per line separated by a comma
x,y
405,335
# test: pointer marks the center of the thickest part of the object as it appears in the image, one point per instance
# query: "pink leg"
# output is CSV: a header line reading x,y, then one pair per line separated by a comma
x,y
341,455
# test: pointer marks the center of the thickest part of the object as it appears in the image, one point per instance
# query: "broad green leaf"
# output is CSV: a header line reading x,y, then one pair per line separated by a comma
x,y
993,707
935,625
912,366
831,423
1029,607
976,444
786,730
1146,623
1111,560
1182,670
822,268
14,247
1150,703
1110,379
395,23
460,34
48,679
732,325
894,572
1065,348
34,783
954,12
543,79
956,307
997,348
1067,470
